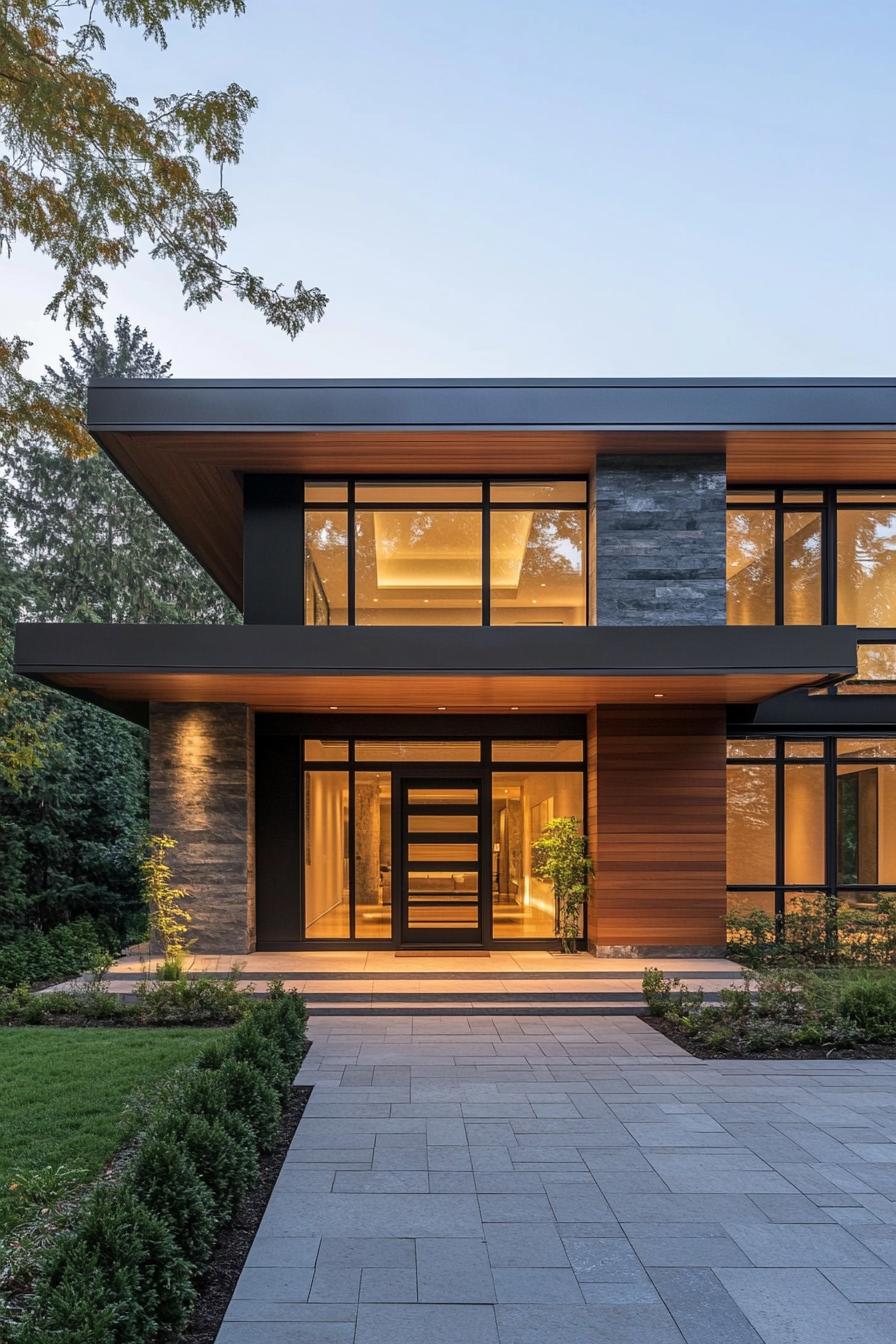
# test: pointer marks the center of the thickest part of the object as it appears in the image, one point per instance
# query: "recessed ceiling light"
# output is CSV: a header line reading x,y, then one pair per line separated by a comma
x,y
334,706
441,707
514,706
658,695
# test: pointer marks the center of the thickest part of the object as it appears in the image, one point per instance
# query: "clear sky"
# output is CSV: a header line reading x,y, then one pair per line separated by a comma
x,y
561,188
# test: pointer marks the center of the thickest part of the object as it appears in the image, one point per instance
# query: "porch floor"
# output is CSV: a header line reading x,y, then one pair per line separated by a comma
x,y
361,981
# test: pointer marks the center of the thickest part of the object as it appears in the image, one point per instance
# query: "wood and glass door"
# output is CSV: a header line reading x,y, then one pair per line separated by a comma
x,y
441,861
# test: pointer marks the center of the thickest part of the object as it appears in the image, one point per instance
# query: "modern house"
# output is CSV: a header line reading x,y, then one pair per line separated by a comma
x,y
667,607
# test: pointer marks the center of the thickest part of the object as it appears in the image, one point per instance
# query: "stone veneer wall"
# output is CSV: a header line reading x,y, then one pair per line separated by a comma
x,y
202,793
660,525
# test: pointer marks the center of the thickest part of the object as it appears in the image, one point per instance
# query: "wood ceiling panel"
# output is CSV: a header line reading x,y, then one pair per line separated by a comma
x,y
460,694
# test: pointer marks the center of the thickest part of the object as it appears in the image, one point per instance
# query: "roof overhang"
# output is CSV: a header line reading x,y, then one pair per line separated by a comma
x,y
420,670
185,444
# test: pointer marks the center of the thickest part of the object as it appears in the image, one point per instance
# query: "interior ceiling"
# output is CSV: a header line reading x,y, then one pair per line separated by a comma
x,y
193,479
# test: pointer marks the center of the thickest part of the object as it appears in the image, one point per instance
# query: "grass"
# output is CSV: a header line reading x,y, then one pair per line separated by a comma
x,y
64,1089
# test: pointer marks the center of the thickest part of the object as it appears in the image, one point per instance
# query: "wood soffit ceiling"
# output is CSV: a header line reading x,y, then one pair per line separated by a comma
x,y
193,479
418,694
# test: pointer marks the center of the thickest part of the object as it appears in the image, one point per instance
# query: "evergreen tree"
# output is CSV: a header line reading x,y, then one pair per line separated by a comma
x,y
77,542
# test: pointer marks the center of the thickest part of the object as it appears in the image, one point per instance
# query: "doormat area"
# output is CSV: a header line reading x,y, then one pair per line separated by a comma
x,y
443,952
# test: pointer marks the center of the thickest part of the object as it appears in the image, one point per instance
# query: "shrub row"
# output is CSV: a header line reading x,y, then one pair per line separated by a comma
x,y
124,1271
781,1010
817,930
188,1001
67,950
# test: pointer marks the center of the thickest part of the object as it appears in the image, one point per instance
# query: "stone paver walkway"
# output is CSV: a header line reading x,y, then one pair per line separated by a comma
x,y
569,1180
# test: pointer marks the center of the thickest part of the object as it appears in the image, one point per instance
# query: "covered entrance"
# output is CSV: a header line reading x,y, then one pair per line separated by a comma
x,y
411,831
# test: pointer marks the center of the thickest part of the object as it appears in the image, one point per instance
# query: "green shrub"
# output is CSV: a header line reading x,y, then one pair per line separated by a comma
x,y
248,1042
251,1095
223,1152
283,1017
67,950
169,1184
120,1262
871,1004
192,1000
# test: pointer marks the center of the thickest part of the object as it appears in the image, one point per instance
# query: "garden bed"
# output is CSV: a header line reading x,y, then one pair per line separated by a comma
x,y
793,1013
217,1284
872,1050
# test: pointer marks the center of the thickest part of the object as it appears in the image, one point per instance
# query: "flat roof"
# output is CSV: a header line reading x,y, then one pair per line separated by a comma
x,y
575,403
186,443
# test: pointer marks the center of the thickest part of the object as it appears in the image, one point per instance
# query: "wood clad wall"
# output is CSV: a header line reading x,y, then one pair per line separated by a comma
x,y
658,828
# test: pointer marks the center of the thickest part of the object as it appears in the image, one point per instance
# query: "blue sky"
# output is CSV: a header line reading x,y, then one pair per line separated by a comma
x,y
614,188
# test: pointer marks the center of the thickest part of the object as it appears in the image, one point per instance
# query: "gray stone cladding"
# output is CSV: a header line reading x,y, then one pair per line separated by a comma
x,y
660,524
201,793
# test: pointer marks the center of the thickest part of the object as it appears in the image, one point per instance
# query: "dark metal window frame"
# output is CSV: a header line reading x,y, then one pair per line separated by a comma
x,y
485,769
827,762
829,507
485,507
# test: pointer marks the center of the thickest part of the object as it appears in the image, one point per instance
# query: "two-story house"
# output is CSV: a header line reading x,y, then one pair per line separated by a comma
x,y
667,607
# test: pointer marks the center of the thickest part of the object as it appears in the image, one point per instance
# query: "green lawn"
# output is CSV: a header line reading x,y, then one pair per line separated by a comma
x,y
62,1090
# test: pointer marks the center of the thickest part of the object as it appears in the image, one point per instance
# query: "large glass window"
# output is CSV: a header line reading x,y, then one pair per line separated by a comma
x,y
818,816
355,888
524,802
325,827
866,562
445,552
774,560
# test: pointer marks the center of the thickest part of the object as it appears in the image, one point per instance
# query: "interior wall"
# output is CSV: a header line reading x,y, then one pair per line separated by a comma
x,y
658,830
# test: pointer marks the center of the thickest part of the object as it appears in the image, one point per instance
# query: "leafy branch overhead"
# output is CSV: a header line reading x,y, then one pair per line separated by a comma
x,y
88,176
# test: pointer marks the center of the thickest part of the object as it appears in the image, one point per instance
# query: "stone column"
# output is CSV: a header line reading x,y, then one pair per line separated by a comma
x,y
202,794
660,539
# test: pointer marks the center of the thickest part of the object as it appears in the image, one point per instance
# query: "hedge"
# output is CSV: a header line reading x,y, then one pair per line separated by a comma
x,y
125,1269
67,950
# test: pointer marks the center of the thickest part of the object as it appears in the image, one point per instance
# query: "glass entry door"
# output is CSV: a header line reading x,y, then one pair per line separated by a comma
x,y
441,861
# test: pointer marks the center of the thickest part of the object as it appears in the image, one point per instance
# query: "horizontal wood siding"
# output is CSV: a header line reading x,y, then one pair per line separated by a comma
x,y
659,827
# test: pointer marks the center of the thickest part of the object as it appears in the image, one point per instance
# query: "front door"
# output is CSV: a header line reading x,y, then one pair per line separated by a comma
x,y
441,861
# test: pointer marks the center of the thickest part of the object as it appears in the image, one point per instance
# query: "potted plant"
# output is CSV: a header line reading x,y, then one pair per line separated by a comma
x,y
560,857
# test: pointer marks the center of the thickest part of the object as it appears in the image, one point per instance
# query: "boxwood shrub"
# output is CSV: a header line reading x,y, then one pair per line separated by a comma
x,y
123,1272
65,951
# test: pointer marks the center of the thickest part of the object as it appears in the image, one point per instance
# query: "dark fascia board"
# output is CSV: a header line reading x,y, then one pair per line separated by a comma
x,y
44,650
183,404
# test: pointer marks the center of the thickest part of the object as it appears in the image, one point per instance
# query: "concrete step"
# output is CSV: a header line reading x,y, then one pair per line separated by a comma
x,y
506,1007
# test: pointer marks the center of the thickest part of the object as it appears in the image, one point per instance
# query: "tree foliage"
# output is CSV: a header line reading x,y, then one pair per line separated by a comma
x,y
88,177
78,543
560,857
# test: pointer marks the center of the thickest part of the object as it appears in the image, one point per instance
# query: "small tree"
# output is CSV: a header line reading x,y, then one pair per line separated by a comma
x,y
167,918
559,857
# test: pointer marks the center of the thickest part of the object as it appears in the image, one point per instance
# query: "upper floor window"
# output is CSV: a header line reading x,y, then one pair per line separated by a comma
x,y
464,552
812,557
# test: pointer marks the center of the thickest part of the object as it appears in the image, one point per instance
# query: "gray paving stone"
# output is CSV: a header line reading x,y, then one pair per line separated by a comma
x,y
701,1307
686,1252
603,1260
524,1246
798,1306
367,1252
865,1285
286,1252
620,1294
388,1285
536,1285
426,1324
381,1182
377,1215
774,1245
601,1324
335,1283
274,1285
453,1270
794,1208
295,1332
578,1205
514,1208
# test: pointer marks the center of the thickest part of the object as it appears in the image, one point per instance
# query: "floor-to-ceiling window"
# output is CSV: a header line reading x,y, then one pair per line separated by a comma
x,y
811,815
464,552
823,556
370,872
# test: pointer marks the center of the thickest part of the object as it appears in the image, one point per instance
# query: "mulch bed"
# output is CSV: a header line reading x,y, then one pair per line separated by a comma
x,y
219,1280
879,1050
